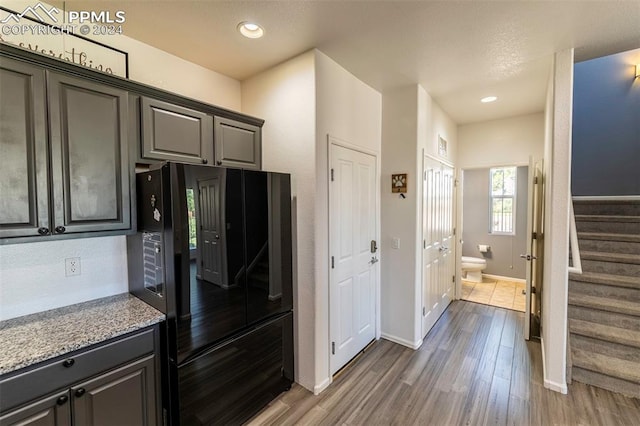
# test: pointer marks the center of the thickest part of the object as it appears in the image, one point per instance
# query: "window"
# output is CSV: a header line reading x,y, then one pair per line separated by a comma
x,y
503,200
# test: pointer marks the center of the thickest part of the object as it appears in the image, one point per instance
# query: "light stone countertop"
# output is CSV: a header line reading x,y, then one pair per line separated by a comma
x,y
38,337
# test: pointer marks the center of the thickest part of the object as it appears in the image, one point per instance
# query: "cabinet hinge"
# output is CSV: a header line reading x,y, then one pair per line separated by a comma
x,y
333,265
332,177
333,348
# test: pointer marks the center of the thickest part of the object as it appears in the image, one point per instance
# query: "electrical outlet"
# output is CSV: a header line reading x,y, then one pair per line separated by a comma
x,y
72,266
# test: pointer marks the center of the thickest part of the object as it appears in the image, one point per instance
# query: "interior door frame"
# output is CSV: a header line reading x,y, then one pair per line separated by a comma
x,y
457,286
331,142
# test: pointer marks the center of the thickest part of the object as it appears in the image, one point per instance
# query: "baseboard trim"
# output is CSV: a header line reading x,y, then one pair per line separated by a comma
x,y
412,345
321,386
549,384
503,278
606,198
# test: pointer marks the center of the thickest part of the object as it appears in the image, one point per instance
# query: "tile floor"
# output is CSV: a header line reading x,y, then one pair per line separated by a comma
x,y
503,294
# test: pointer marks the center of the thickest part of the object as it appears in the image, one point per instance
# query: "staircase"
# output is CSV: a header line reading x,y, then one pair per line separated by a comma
x,y
604,301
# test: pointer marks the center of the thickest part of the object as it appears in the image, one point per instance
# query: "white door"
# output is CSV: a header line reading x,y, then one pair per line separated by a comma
x,y
534,248
438,241
352,219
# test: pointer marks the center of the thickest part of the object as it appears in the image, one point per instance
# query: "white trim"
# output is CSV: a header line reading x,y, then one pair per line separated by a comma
x,y
493,166
412,345
549,384
503,278
438,159
322,385
606,198
336,141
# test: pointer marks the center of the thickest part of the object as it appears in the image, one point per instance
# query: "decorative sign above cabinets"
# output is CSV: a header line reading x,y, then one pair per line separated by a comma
x,y
45,30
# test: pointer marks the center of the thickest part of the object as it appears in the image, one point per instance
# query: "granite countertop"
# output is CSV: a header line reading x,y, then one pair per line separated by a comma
x,y
38,337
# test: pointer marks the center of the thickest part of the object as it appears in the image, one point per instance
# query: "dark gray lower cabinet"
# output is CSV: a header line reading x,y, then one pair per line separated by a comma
x,y
237,144
122,397
52,410
114,383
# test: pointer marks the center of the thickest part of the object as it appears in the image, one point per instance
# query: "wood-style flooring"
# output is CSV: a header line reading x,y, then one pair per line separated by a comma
x,y
474,368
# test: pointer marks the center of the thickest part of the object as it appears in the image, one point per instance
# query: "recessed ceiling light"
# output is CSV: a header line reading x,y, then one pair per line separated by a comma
x,y
488,99
250,29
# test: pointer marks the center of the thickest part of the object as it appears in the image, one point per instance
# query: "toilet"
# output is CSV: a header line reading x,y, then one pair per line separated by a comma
x,y
472,268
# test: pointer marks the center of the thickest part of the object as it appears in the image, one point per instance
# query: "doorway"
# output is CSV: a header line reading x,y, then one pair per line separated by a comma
x,y
353,247
438,233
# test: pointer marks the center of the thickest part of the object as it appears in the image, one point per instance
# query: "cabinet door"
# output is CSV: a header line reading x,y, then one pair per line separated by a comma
x,y
53,410
89,155
126,396
24,204
171,132
237,144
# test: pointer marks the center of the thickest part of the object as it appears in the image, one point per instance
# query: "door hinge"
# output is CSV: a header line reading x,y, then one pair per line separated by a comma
x,y
455,183
333,348
332,178
424,311
425,175
534,235
454,231
453,279
424,244
535,180
333,265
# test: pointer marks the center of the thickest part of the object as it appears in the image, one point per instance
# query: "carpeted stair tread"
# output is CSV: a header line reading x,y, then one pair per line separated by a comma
x,y
605,304
603,381
611,257
604,332
606,218
612,319
609,236
606,279
604,364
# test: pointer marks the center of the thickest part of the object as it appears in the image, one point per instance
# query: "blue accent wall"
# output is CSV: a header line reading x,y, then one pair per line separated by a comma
x,y
606,126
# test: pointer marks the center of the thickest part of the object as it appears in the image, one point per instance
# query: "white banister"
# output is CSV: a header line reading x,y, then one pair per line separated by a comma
x,y
576,266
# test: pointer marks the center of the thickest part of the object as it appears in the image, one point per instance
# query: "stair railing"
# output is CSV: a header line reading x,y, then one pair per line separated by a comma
x,y
576,266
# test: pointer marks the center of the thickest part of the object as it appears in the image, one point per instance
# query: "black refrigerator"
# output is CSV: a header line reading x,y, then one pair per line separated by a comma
x,y
213,252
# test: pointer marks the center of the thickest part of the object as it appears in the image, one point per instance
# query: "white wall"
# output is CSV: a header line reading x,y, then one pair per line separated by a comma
x,y
32,275
351,111
558,118
505,141
284,96
399,267
412,122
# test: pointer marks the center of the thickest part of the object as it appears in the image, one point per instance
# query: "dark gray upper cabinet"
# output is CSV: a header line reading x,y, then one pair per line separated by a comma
x,y
172,132
89,155
237,144
24,203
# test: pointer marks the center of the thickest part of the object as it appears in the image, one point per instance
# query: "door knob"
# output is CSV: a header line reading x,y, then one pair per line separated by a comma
x,y
60,229
80,392
43,231
62,400
374,260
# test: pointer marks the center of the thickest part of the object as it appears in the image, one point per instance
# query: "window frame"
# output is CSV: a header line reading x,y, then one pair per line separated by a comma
x,y
503,197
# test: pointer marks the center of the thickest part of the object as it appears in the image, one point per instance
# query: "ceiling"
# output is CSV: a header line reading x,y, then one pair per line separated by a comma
x,y
458,51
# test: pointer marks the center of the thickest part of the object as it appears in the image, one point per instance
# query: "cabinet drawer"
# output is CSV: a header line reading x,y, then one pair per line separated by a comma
x,y
26,386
